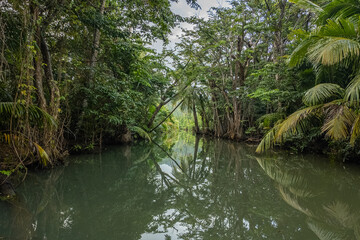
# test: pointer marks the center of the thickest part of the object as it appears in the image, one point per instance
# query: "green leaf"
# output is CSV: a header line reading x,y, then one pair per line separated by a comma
x,y
321,93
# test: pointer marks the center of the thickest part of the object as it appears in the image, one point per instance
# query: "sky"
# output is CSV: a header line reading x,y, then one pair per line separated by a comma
x,y
184,10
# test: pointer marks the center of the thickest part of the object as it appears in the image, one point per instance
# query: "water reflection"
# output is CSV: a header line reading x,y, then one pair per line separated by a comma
x,y
185,188
327,195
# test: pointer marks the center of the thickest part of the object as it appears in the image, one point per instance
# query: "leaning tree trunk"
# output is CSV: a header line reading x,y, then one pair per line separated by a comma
x,y
155,113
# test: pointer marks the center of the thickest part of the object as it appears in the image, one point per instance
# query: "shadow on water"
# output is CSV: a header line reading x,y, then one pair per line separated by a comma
x,y
185,188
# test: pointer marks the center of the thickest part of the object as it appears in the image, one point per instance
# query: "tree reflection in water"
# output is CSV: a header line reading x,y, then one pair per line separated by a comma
x,y
185,188
326,195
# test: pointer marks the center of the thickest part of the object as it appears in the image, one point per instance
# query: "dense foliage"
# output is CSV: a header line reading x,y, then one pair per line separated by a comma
x,y
257,62
332,106
75,74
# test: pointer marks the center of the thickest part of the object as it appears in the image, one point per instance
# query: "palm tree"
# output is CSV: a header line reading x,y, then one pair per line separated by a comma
x,y
327,105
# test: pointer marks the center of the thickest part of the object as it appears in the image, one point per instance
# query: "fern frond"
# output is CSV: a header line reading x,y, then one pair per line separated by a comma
x,y
270,119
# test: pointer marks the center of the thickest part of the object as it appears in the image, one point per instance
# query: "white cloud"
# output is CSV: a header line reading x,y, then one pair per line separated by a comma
x,y
184,10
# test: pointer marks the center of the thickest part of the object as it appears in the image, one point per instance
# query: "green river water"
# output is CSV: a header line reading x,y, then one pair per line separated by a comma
x,y
187,188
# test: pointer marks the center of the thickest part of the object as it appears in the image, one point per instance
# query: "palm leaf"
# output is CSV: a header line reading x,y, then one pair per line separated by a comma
x,y
355,131
142,133
352,93
298,122
43,155
292,200
325,233
276,171
336,41
301,51
37,115
329,45
339,120
308,5
321,93
342,213
268,140
346,9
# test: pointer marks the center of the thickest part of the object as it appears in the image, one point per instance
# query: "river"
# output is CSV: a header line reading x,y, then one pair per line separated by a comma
x,y
184,187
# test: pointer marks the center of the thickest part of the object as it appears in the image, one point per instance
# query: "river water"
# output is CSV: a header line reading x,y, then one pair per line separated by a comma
x,y
187,188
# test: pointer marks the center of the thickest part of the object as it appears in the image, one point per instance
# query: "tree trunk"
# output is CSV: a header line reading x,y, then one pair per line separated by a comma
x,y
197,130
238,82
157,110
167,116
89,79
96,44
54,89
38,65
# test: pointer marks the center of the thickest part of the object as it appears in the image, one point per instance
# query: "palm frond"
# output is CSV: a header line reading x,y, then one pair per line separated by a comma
x,y
321,93
355,131
339,119
298,122
324,233
336,41
329,45
36,115
42,154
346,9
292,200
276,171
142,133
308,5
268,140
342,213
301,51
352,93
301,192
